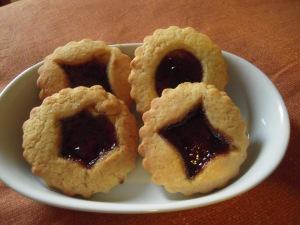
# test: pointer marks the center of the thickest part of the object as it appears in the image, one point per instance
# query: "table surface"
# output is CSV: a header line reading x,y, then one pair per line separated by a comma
x,y
266,33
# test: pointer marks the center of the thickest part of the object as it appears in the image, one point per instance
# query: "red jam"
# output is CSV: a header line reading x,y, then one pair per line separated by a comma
x,y
86,138
196,141
87,74
176,67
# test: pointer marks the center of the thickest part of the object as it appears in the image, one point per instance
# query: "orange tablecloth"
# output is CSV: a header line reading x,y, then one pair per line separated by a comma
x,y
267,33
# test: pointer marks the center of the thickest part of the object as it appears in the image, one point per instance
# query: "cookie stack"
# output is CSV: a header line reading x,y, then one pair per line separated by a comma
x,y
193,139
83,139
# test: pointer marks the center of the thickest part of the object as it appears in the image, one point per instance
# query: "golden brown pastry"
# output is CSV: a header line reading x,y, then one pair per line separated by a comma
x,y
86,63
81,141
172,56
193,139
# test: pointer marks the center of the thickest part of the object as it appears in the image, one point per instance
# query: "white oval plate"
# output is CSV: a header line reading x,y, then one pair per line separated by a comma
x,y
259,101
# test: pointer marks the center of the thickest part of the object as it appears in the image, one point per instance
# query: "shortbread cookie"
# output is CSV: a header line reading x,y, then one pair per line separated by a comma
x,y
81,141
193,139
173,56
86,63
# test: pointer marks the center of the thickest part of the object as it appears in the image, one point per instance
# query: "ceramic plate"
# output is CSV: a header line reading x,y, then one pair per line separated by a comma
x,y
261,105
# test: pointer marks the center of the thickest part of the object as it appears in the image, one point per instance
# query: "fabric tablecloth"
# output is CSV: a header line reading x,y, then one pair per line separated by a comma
x,y
266,33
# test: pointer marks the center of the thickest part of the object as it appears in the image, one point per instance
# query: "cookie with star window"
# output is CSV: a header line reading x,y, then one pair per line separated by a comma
x,y
194,139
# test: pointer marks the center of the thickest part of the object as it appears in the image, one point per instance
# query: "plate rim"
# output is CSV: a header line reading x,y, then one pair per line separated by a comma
x,y
131,208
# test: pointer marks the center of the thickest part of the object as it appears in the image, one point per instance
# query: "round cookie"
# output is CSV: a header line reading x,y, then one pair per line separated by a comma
x,y
85,63
81,141
172,56
193,139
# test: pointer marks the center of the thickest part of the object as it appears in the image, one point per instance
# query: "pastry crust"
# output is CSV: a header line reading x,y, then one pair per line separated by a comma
x,y
163,41
42,138
164,162
53,78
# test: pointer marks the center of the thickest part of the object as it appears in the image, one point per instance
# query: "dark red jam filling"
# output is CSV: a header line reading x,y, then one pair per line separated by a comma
x,y
87,74
196,141
86,138
176,67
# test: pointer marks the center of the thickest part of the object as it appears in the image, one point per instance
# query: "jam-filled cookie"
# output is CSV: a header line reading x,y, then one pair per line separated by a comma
x,y
172,56
193,139
81,141
86,63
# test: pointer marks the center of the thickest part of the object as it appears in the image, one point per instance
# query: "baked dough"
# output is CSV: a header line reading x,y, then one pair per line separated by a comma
x,y
163,41
42,141
161,158
53,78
